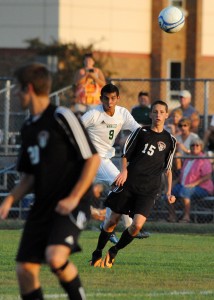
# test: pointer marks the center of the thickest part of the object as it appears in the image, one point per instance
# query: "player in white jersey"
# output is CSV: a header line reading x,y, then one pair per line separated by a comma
x,y
104,123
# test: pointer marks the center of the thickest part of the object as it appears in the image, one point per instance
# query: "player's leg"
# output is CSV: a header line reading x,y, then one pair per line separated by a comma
x,y
66,272
107,173
125,239
28,279
105,233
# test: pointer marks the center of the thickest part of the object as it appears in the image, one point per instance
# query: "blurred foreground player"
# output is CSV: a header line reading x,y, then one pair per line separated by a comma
x,y
149,152
58,163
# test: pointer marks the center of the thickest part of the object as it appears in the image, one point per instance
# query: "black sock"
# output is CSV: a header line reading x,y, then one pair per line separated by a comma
x,y
125,239
74,289
35,295
103,239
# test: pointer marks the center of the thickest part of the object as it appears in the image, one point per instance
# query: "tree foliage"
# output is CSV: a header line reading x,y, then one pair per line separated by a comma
x,y
69,59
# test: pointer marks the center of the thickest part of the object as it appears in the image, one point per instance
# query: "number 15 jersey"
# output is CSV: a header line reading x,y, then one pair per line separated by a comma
x,y
103,129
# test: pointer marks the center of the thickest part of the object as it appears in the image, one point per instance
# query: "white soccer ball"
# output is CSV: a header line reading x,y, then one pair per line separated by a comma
x,y
171,19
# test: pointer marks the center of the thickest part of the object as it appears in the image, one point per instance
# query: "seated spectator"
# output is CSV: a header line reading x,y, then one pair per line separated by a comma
x,y
209,137
141,111
195,180
88,82
196,124
184,140
185,104
172,125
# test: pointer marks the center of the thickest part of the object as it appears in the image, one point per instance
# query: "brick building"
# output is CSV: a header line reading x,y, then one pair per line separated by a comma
x,y
127,32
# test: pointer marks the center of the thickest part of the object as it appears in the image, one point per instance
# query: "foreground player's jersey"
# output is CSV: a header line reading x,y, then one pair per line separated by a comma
x,y
54,149
149,153
103,129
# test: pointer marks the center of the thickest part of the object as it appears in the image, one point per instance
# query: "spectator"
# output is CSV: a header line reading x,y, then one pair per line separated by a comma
x,y
209,138
172,126
141,111
184,140
88,81
196,124
195,181
185,104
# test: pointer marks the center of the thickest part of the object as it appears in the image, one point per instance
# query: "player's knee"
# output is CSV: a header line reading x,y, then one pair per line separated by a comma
x,y
58,269
25,271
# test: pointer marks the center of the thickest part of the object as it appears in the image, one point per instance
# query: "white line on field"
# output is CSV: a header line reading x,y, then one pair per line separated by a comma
x,y
114,295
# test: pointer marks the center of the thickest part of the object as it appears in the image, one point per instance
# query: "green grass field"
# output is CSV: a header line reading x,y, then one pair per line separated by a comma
x,y
164,266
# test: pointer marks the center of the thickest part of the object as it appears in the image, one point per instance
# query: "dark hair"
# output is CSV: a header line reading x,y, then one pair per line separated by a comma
x,y
89,54
36,74
143,94
161,102
109,88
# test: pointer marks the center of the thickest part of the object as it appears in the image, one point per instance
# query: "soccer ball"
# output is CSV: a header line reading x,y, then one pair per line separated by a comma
x,y
171,19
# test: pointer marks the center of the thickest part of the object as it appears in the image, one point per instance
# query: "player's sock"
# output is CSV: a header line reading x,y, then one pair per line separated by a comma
x,y
35,295
103,239
74,289
125,239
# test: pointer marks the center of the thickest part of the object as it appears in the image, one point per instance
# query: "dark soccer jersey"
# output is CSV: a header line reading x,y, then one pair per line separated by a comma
x,y
148,153
54,148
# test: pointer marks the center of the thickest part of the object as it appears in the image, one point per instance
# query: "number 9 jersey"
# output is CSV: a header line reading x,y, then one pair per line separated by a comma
x,y
103,129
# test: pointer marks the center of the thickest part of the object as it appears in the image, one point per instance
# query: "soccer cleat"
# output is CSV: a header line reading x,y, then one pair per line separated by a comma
x,y
96,258
109,259
142,235
113,238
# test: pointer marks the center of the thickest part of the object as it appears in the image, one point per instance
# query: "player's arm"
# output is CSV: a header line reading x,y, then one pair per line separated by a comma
x,y
18,192
121,178
171,199
79,138
68,204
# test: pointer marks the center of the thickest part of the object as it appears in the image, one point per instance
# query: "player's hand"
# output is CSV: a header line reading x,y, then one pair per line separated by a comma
x,y
121,178
171,199
5,207
66,205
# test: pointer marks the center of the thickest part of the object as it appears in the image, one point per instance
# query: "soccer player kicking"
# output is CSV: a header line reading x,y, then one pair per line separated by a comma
x,y
58,163
104,122
148,152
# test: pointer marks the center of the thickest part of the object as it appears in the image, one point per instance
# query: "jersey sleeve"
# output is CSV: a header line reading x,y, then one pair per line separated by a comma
x,y
169,160
75,131
130,123
88,118
130,144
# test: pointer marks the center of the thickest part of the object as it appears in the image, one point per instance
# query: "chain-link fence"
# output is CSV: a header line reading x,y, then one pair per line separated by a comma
x,y
11,119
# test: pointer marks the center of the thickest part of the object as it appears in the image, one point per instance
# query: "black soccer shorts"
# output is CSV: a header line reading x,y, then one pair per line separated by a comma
x,y
127,201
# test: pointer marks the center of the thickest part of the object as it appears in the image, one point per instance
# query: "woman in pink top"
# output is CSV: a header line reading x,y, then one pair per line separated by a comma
x,y
195,181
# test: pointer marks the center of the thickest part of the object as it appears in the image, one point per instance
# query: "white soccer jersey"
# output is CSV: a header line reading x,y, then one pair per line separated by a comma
x,y
103,129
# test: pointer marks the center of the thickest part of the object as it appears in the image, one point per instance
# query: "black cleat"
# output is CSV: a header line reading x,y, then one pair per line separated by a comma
x,y
96,258
109,259
142,235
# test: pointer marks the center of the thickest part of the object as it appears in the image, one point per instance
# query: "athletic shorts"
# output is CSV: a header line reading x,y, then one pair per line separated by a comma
x,y
126,201
57,230
107,172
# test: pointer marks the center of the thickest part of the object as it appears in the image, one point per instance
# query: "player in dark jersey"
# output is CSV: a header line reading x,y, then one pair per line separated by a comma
x,y
58,163
149,152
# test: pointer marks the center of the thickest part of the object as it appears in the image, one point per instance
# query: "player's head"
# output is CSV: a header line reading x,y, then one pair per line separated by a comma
x,y
159,112
109,97
159,102
34,74
34,80
110,88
